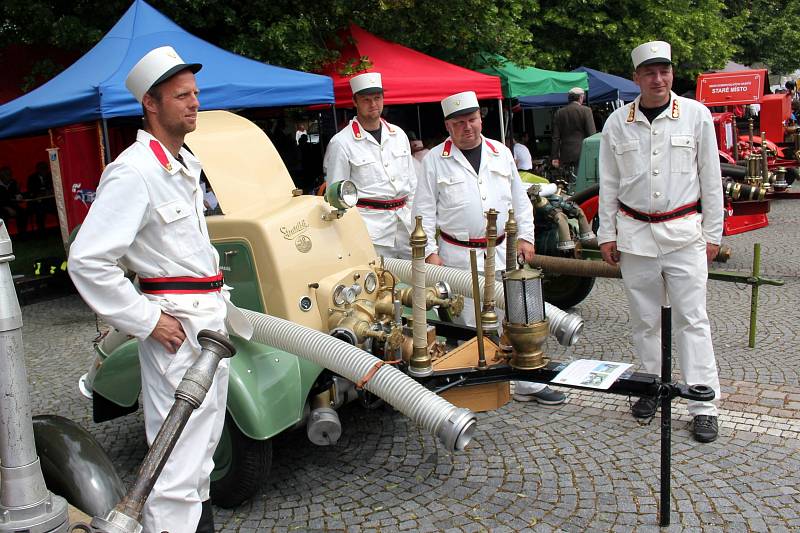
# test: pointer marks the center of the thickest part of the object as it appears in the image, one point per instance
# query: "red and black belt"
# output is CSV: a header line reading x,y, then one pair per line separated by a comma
x,y
471,243
386,205
654,218
181,285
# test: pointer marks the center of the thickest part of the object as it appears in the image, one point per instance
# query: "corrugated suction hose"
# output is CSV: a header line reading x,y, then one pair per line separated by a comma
x,y
454,426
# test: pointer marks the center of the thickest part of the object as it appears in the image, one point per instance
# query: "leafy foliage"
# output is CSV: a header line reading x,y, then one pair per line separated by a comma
x,y
553,34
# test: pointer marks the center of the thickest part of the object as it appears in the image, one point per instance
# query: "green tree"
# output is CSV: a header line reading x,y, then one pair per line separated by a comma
x,y
601,34
768,33
299,34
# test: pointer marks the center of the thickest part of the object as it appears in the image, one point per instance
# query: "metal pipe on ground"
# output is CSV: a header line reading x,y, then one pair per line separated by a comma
x,y
25,502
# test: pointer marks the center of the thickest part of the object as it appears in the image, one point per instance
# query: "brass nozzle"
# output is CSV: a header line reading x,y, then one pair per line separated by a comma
x,y
418,240
511,241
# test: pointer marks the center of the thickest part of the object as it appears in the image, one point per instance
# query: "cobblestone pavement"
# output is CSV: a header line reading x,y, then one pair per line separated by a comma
x,y
583,466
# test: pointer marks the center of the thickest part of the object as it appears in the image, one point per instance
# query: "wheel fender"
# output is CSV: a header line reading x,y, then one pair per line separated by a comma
x,y
119,378
75,466
267,388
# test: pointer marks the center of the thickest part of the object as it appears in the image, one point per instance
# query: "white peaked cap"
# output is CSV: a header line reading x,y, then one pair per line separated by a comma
x,y
157,66
652,52
367,83
460,104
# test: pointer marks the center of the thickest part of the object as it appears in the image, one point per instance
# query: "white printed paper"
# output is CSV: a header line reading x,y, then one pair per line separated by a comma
x,y
591,373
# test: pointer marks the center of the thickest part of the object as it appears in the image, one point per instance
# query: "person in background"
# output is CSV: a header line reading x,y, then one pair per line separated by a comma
x,y
40,195
10,201
522,156
571,125
376,156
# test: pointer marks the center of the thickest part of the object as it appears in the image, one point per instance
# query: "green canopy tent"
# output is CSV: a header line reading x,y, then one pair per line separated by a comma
x,y
519,81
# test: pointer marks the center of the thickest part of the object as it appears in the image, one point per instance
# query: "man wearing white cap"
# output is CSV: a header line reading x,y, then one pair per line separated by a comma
x,y
376,156
148,217
571,125
464,177
661,216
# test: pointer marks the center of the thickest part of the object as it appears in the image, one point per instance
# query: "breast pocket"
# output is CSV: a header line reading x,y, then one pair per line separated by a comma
x,y
452,191
501,180
682,153
627,156
180,229
362,168
400,164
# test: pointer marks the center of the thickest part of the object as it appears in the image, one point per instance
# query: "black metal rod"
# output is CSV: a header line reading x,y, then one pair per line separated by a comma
x,y
666,417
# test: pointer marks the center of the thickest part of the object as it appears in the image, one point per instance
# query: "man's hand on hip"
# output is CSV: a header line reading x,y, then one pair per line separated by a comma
x,y
169,332
526,249
434,259
609,252
711,251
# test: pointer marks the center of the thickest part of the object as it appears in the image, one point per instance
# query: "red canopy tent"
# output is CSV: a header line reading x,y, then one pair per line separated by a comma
x,y
409,77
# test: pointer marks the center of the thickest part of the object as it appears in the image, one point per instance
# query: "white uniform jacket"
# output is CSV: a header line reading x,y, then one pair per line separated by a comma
x,y
382,171
148,216
452,196
657,168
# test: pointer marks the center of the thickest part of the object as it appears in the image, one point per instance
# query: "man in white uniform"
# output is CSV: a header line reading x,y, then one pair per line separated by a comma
x,y
148,217
376,156
464,177
661,216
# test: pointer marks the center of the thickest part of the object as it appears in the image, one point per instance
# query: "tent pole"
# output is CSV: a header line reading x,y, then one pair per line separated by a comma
x,y
524,129
106,147
502,125
419,124
335,122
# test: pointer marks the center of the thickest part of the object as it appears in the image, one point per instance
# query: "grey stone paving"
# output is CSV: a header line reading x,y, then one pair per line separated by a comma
x,y
583,466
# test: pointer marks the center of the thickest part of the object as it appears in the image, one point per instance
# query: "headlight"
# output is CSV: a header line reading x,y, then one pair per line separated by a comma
x,y
342,194
370,283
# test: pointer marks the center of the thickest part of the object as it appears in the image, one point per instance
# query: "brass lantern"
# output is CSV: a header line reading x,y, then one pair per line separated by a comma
x,y
525,323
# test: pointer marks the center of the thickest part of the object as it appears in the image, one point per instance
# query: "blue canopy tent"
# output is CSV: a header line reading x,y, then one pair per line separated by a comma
x,y
93,88
603,87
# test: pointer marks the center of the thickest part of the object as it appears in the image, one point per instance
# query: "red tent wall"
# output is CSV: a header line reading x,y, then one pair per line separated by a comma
x,y
409,77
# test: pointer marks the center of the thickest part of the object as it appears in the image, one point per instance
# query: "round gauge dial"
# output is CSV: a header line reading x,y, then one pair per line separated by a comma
x,y
370,283
338,295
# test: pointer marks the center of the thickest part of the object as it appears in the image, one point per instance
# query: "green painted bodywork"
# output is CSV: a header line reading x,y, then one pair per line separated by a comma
x,y
119,379
589,164
267,387
236,264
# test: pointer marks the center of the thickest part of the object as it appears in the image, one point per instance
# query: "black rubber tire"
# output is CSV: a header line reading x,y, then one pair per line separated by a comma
x,y
566,291
241,465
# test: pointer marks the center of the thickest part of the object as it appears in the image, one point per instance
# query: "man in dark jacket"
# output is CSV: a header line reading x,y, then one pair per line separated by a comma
x,y
571,125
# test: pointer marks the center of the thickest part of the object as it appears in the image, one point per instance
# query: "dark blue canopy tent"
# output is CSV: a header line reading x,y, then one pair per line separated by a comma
x,y
602,88
93,88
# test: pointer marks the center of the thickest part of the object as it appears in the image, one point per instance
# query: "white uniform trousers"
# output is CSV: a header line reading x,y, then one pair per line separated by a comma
x,y
684,274
174,505
402,244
